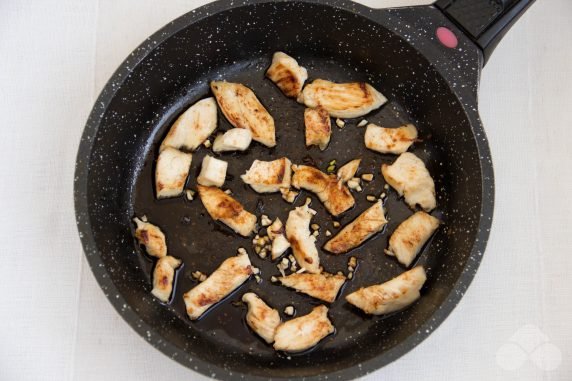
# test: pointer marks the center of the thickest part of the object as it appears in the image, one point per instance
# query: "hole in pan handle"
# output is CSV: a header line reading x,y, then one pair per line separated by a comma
x,y
484,21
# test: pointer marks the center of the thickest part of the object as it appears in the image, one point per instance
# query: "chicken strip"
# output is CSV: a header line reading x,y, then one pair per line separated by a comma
x,y
287,74
390,140
277,235
213,172
163,276
193,127
302,241
304,332
261,318
390,296
269,176
320,286
151,237
411,179
171,172
232,273
410,236
243,110
342,100
235,139
223,207
358,231
318,127
335,196
348,170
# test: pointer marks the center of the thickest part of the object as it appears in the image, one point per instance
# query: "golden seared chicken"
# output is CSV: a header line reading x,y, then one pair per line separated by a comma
x,y
303,243
233,272
277,235
243,110
342,100
163,276
410,236
320,286
335,195
235,139
411,179
269,176
348,170
151,237
390,140
318,127
193,127
223,207
260,317
390,296
171,172
304,332
287,74
358,231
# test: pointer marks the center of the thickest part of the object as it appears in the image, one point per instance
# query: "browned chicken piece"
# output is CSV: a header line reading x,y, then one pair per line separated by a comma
x,y
232,273
348,170
411,179
171,172
269,176
151,237
393,295
193,127
235,139
163,276
303,243
390,140
318,127
358,231
335,195
277,234
260,317
304,332
321,286
410,236
342,100
223,207
213,172
287,74
243,110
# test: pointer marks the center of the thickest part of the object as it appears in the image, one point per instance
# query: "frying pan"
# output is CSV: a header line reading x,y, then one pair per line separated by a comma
x,y
431,84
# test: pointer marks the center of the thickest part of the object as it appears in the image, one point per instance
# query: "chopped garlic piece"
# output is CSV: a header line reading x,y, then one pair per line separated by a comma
x,y
289,310
367,177
264,220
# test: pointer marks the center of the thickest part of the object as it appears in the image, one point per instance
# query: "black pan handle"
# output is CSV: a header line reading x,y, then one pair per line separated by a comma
x,y
484,21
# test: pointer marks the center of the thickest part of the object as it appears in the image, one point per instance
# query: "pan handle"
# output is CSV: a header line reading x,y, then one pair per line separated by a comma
x,y
484,21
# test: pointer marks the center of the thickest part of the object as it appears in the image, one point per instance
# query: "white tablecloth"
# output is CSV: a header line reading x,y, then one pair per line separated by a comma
x,y
514,323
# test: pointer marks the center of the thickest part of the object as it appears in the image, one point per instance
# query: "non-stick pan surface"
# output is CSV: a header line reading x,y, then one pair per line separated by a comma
x,y
339,41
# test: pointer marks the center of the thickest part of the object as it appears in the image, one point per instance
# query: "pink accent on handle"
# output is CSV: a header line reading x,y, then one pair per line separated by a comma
x,y
447,37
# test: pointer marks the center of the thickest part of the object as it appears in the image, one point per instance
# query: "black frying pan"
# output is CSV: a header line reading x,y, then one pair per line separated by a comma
x,y
397,51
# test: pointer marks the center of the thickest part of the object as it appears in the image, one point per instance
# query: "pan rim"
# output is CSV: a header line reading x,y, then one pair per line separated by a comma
x,y
148,332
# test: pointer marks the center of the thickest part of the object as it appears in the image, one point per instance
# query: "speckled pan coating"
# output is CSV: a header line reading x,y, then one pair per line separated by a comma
x,y
339,39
